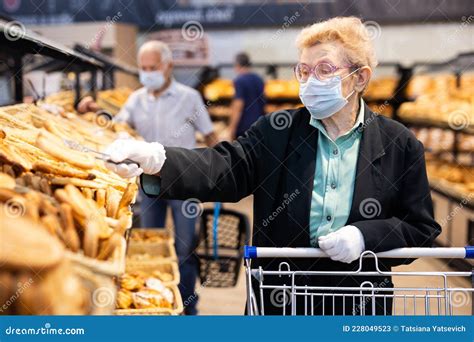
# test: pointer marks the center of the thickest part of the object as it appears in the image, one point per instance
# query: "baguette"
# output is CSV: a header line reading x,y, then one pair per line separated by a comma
x,y
79,210
124,222
108,246
76,196
104,229
100,197
82,183
32,205
90,243
48,208
11,155
87,192
63,153
62,169
71,238
128,196
52,224
113,200
7,181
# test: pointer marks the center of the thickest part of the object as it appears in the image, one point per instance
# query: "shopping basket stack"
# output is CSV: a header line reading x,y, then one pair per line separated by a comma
x,y
223,233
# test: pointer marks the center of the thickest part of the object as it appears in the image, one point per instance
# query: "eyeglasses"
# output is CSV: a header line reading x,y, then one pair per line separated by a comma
x,y
322,71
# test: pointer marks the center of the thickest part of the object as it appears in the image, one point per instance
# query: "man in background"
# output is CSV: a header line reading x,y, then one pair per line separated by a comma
x,y
170,113
249,102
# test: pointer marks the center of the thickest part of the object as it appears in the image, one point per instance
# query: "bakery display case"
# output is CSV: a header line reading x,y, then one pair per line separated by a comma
x,y
440,112
64,215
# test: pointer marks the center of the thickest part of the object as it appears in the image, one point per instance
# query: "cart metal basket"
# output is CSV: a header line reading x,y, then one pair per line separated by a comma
x,y
440,294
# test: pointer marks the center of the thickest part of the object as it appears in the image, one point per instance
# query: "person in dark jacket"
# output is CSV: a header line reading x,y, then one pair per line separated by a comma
x,y
332,174
249,102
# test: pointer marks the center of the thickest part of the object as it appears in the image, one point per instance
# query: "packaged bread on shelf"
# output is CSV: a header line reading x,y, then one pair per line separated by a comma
x,y
140,290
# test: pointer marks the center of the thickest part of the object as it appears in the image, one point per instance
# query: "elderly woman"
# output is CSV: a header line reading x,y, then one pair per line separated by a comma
x,y
332,174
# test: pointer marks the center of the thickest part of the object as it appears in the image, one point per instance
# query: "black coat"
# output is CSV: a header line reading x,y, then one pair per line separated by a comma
x,y
275,161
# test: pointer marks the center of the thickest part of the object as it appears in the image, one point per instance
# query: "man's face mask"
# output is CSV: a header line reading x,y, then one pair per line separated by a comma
x,y
152,80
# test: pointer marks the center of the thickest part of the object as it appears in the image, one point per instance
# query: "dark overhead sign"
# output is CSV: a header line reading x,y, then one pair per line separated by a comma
x,y
153,15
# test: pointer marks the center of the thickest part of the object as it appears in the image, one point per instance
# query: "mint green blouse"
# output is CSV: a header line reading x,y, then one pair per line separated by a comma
x,y
334,179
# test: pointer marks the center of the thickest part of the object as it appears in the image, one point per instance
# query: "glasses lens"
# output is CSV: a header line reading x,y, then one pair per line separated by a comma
x,y
302,72
324,71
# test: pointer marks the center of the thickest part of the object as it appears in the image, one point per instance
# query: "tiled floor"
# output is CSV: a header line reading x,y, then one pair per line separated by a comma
x,y
231,301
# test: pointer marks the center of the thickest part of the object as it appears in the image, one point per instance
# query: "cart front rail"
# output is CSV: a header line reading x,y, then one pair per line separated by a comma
x,y
252,252
293,292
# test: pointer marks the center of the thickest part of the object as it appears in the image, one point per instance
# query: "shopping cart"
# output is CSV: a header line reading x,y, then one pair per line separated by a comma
x,y
439,293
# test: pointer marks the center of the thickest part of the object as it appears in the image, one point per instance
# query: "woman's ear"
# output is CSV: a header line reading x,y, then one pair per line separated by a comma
x,y
363,77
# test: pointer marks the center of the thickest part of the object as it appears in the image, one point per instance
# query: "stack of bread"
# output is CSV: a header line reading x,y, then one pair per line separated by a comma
x,y
275,89
65,190
381,88
63,99
34,278
219,89
142,290
452,176
455,109
439,99
109,101
113,99
439,84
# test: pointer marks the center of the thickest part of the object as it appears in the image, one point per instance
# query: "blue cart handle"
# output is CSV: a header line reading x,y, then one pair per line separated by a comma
x,y
252,252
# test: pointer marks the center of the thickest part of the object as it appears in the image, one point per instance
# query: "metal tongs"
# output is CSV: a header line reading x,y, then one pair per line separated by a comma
x,y
98,155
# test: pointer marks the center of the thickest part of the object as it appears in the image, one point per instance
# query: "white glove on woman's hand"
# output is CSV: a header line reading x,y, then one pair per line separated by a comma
x,y
345,244
150,156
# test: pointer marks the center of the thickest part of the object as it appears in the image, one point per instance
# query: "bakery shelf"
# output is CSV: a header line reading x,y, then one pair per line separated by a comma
x,y
110,65
451,191
26,42
420,121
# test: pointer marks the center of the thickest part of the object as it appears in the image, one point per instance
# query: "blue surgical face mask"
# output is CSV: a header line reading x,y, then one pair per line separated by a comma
x,y
152,80
323,99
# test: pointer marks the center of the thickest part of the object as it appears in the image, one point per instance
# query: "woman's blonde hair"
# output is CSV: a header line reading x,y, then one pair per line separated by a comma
x,y
349,31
